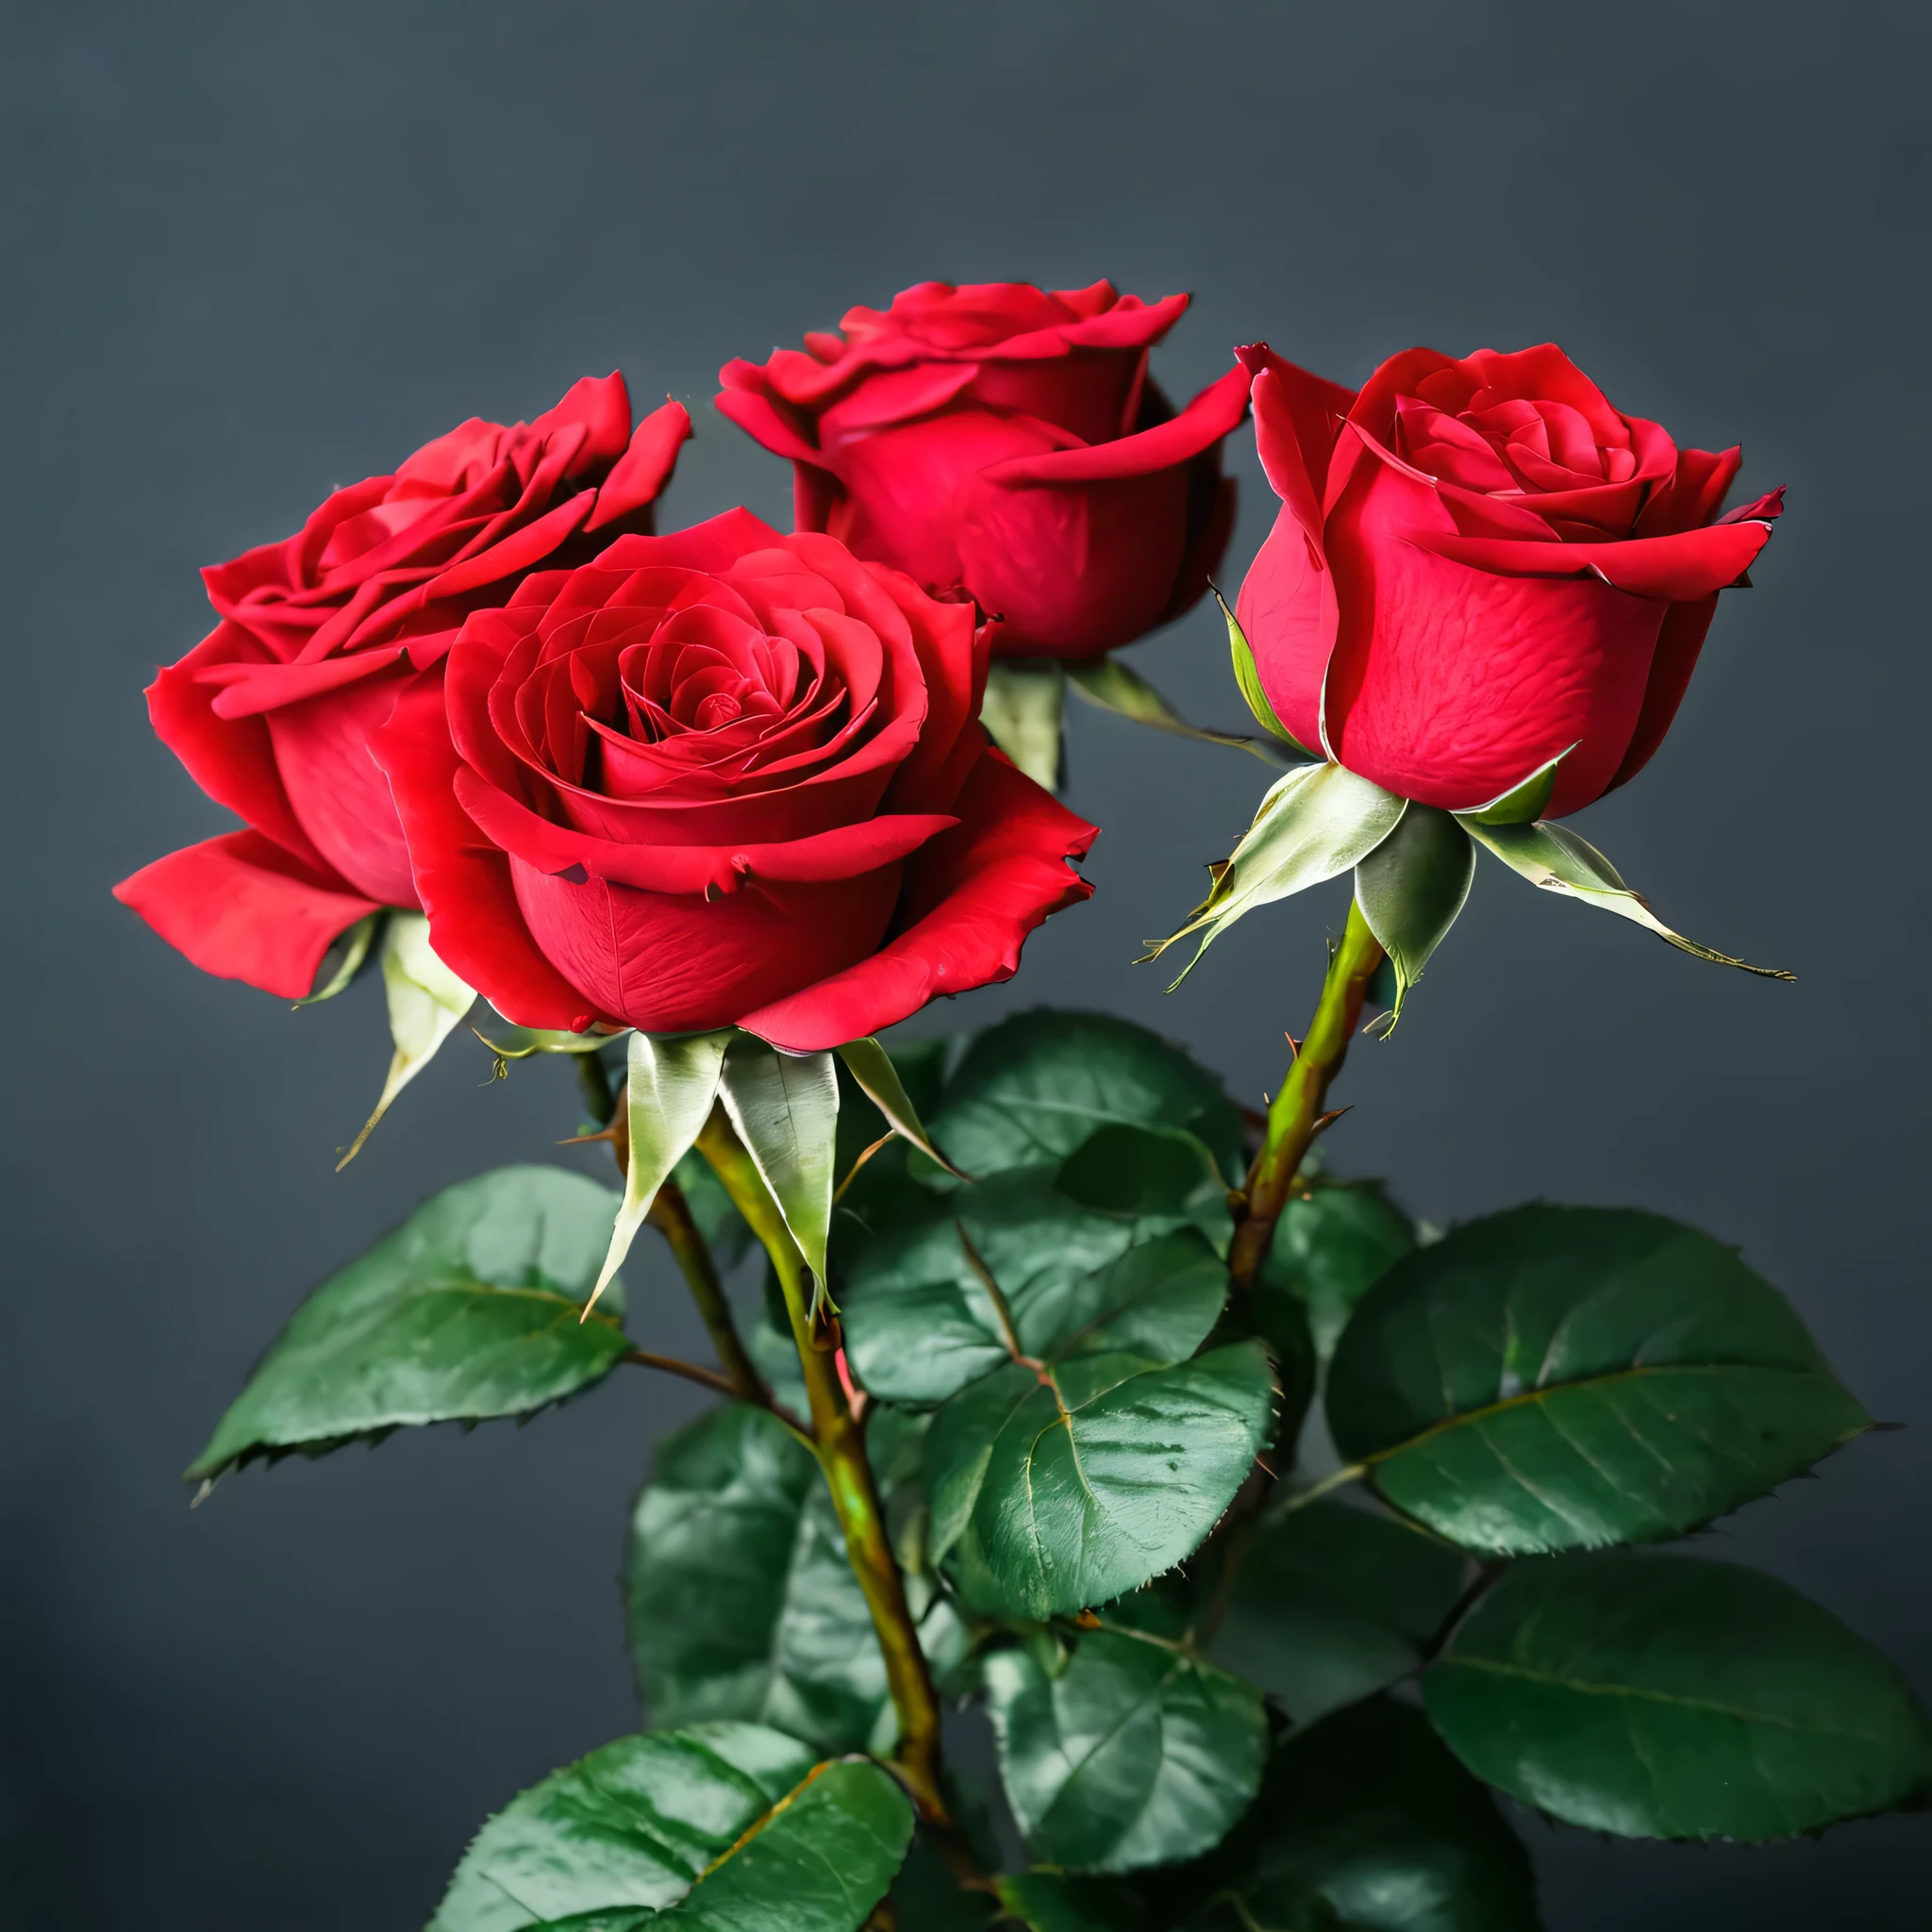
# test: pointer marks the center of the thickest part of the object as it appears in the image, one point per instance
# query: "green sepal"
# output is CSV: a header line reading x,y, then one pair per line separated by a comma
x,y
350,951
1133,1753
509,1042
1112,686
426,1003
1022,712
1249,679
1411,887
1561,860
1662,1696
712,1829
1553,1379
1314,823
471,1309
878,1079
670,1082
1521,802
785,1107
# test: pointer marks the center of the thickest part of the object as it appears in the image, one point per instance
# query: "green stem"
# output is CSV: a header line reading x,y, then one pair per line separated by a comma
x,y
1295,1118
839,1445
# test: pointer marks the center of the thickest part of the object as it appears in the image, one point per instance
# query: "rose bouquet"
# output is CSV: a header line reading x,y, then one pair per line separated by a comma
x,y
1274,1530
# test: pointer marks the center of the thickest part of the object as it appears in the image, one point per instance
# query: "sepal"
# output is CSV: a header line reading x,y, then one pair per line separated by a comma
x,y
1249,679
1561,860
1113,686
426,1003
1411,890
1022,712
785,1107
1315,823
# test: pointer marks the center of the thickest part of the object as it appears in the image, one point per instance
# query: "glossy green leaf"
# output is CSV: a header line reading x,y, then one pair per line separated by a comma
x,y
1023,711
1249,679
1411,887
1668,1697
1010,1266
1066,1486
1113,686
1133,1754
741,1602
785,1109
1366,1824
1562,861
1144,1172
1553,1379
1332,1242
1034,1087
472,1307
671,1083
722,1827
1314,823
1282,1322
426,1004
1045,1900
1328,1603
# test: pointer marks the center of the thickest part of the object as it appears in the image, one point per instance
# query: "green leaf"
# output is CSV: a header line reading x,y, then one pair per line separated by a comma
x,y
1067,1486
1022,712
1112,686
1332,1242
926,1897
1249,679
1139,1171
1668,1697
871,1067
785,1109
1329,1603
721,1827
1314,823
1282,1322
1366,1822
472,1307
669,1085
1552,1378
427,1002
1034,1087
741,1602
1010,1266
1133,1754
1559,860
1410,888
1044,1900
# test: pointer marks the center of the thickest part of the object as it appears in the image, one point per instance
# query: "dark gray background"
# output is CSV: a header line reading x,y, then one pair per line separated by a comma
x,y
256,251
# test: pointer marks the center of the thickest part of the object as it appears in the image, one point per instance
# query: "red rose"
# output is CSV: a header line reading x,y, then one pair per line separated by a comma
x,y
272,711
721,777
1479,567
1005,442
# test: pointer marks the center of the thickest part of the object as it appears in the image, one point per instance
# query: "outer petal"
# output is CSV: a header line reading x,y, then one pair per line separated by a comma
x,y
641,472
972,897
1452,685
1287,603
463,880
231,759
240,907
1677,646
1082,550
1682,567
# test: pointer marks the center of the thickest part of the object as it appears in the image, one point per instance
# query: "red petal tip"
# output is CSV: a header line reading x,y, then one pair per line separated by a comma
x,y
1253,357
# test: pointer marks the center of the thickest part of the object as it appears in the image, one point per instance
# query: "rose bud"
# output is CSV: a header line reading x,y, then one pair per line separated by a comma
x,y
717,777
272,711
1482,575
1005,443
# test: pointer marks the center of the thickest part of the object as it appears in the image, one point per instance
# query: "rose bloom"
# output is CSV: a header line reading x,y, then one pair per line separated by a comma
x,y
717,778
1480,566
272,711
1005,443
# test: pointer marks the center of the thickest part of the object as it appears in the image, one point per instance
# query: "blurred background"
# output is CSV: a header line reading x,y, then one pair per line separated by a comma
x,y
257,251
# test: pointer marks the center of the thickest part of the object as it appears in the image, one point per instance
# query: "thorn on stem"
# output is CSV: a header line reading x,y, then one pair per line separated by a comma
x,y
1327,1120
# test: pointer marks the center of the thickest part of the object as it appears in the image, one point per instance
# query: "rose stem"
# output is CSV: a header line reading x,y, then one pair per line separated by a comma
x,y
840,1449
1294,1117
670,1215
